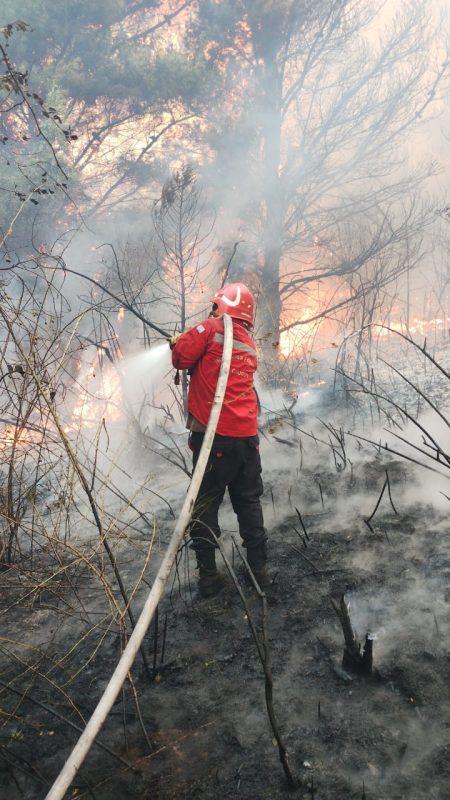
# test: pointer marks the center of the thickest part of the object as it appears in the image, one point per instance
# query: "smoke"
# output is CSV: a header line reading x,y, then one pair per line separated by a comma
x,y
417,615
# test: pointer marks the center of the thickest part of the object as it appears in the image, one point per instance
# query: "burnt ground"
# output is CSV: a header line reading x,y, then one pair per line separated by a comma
x,y
384,737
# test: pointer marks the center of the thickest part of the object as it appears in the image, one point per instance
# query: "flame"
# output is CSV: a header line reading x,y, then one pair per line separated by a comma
x,y
100,395
301,338
10,435
296,340
415,326
121,315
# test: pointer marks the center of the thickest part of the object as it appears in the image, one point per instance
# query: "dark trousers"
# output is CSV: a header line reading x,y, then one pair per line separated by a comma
x,y
236,464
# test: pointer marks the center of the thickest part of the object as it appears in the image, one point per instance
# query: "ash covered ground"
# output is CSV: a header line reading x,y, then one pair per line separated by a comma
x,y
204,730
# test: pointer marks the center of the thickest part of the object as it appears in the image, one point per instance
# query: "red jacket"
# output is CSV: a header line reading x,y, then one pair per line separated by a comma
x,y
200,350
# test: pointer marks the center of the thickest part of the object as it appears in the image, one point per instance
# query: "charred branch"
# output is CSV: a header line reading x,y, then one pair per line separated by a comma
x,y
387,485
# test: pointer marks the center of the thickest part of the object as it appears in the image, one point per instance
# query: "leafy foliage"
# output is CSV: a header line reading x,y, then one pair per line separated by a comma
x,y
31,169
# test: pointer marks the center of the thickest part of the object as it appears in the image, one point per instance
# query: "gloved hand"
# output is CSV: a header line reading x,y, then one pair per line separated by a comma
x,y
173,340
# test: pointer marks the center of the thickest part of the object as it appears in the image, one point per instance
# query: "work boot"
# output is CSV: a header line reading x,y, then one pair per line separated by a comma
x,y
210,582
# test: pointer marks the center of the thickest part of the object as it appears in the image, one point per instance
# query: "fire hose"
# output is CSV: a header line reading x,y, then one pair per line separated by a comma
x,y
126,661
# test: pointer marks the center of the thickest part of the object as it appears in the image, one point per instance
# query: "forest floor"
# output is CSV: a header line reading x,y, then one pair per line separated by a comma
x,y
383,737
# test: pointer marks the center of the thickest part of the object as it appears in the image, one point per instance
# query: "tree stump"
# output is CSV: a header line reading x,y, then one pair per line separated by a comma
x,y
353,660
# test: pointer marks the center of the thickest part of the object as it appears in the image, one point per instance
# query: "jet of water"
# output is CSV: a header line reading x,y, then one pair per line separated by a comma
x,y
146,375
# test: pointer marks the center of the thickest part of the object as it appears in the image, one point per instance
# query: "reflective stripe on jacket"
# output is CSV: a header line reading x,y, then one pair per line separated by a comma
x,y
200,350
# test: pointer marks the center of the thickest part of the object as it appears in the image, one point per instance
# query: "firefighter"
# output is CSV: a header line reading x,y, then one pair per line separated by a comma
x,y
234,461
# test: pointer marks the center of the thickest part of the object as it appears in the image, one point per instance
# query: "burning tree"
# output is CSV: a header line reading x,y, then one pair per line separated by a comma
x,y
316,137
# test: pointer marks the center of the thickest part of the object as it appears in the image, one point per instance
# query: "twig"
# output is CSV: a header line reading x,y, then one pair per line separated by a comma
x,y
54,713
163,646
225,275
139,713
311,563
300,536
273,501
155,640
389,492
321,493
385,484
300,519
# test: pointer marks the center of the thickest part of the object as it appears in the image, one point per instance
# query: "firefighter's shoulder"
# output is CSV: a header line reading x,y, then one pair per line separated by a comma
x,y
208,326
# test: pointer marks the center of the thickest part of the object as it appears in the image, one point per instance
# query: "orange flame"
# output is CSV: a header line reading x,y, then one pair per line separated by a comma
x,y
100,395
10,435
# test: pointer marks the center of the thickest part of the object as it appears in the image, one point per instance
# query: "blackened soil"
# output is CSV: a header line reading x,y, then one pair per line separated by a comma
x,y
384,737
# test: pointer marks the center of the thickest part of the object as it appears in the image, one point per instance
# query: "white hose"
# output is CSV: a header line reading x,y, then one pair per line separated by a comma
x,y
117,679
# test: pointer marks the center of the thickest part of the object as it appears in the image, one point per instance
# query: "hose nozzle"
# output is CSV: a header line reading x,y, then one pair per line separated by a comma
x,y
173,340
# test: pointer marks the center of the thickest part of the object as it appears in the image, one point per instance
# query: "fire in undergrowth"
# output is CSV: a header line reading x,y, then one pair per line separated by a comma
x,y
98,389
416,326
17,436
305,329
324,317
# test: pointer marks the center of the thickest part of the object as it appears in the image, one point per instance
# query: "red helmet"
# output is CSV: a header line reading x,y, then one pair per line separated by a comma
x,y
236,300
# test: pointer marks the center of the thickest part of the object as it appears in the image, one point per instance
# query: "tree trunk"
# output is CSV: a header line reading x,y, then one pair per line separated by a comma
x,y
270,306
